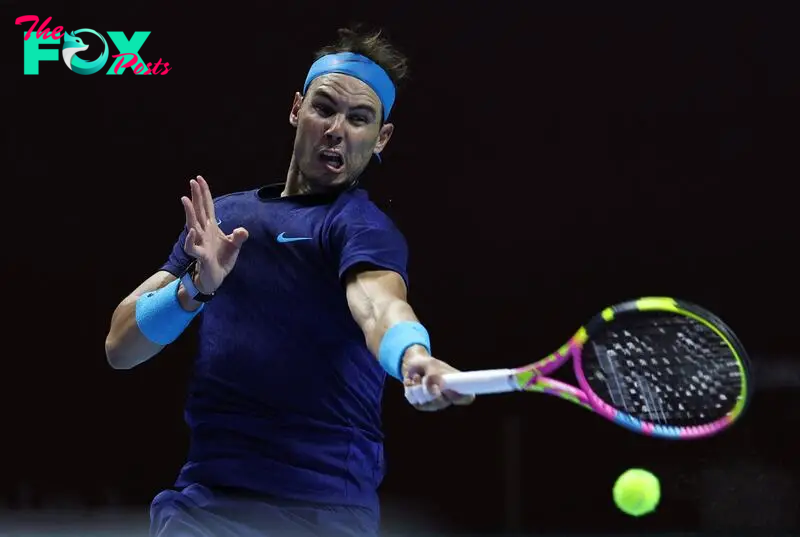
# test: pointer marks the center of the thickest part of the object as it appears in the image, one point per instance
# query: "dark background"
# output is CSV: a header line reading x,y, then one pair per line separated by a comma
x,y
547,162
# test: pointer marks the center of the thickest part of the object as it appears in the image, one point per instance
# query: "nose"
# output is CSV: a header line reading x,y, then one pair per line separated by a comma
x,y
335,129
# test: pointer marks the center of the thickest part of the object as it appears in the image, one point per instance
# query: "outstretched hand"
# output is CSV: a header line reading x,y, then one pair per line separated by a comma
x,y
426,371
216,252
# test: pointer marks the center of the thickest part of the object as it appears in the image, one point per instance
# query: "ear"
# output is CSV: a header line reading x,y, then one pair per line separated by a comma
x,y
295,111
383,137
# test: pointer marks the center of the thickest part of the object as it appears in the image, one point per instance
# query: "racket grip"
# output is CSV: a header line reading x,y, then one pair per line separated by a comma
x,y
481,382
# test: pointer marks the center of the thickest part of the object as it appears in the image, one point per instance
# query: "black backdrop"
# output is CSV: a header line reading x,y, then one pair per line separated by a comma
x,y
546,163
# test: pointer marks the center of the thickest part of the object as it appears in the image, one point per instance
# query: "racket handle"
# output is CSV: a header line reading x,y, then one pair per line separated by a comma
x,y
467,383
481,382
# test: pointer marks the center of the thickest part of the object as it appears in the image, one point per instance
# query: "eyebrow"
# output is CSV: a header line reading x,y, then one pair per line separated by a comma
x,y
365,107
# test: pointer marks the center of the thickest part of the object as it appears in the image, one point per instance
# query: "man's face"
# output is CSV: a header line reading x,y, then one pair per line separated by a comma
x,y
338,129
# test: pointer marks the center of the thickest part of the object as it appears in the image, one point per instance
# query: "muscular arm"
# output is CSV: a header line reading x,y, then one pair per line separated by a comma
x,y
377,300
126,347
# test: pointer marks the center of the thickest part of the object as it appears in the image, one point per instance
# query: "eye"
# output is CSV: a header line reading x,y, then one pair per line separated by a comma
x,y
323,109
359,119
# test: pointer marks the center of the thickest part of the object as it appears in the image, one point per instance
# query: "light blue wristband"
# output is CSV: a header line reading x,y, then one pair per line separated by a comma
x,y
396,340
160,316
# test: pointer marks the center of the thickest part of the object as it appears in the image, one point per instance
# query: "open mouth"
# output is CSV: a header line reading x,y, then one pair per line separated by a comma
x,y
332,160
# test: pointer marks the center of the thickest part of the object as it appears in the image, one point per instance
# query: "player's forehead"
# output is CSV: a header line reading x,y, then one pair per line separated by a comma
x,y
344,88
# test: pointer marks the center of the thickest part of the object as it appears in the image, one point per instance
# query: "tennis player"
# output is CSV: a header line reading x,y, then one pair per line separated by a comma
x,y
299,291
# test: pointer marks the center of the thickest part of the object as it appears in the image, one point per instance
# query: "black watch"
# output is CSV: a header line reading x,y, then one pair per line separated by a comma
x,y
187,280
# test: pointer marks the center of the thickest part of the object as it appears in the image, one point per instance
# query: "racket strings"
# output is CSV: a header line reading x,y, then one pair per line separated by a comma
x,y
664,369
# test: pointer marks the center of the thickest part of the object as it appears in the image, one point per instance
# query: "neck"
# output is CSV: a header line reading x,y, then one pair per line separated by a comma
x,y
298,184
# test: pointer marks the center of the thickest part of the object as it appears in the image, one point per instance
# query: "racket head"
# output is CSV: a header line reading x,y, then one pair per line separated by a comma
x,y
662,367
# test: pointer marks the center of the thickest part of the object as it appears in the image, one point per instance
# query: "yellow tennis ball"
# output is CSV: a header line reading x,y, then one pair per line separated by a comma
x,y
637,492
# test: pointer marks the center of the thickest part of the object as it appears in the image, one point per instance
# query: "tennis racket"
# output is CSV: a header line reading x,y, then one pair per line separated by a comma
x,y
657,366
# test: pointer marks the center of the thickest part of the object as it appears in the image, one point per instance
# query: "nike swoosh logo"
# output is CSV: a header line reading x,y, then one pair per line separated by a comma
x,y
283,238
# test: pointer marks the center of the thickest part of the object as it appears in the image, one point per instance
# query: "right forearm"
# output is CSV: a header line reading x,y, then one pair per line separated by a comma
x,y
160,309
126,344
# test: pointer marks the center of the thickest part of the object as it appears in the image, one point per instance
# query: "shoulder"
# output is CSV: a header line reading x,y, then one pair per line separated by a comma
x,y
234,205
363,234
355,208
233,198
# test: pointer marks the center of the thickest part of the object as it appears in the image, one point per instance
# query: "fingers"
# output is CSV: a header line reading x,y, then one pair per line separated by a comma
x,y
433,406
238,236
438,385
421,399
191,217
418,393
203,202
434,384
207,199
198,204
427,394
426,400
200,215
192,245
458,399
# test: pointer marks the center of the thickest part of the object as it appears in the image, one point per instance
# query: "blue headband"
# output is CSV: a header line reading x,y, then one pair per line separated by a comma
x,y
360,67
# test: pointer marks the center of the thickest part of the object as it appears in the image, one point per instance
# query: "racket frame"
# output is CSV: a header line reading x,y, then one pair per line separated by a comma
x,y
533,378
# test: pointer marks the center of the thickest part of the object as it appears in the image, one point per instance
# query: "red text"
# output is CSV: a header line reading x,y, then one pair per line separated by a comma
x,y
43,32
134,59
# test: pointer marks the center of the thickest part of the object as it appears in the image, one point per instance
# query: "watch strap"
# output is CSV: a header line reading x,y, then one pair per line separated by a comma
x,y
187,281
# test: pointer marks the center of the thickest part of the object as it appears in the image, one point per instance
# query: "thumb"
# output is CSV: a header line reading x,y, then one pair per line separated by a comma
x,y
238,236
434,383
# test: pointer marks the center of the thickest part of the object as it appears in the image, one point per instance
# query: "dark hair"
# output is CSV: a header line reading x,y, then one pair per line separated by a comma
x,y
375,47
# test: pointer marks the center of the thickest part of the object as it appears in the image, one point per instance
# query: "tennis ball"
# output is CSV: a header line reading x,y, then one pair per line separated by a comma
x,y
637,492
